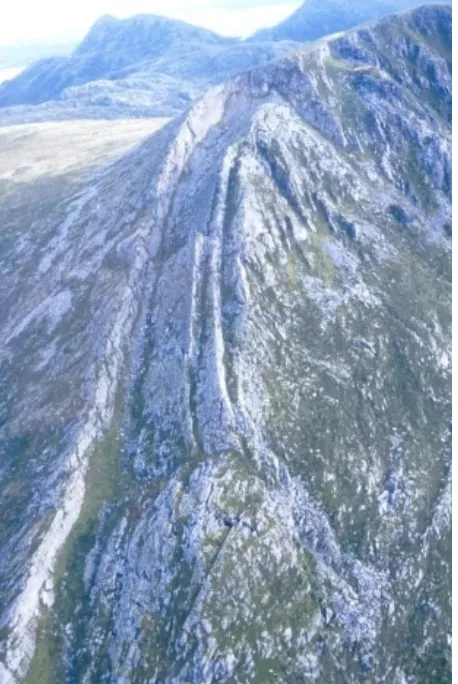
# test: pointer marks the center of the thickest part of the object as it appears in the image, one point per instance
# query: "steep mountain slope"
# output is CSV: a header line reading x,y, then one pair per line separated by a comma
x,y
225,398
146,65
318,18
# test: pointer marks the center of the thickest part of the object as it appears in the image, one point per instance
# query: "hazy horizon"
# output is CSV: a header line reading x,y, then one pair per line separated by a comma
x,y
54,22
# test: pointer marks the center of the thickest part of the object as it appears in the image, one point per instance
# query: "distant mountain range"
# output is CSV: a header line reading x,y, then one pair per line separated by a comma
x,y
145,65
149,65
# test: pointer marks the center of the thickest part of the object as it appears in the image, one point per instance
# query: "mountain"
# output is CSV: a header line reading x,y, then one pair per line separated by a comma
x,y
225,386
110,47
144,36
146,65
317,18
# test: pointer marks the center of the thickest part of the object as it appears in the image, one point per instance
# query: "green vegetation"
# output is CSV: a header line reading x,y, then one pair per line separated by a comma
x,y
104,486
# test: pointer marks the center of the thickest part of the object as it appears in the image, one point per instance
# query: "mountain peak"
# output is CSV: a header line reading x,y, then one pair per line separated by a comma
x,y
105,20
143,35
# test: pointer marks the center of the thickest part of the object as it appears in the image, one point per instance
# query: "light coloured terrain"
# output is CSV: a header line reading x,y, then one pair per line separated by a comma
x,y
42,164
31,151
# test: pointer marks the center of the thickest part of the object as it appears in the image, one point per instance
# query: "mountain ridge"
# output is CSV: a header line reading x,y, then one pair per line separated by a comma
x,y
315,19
256,306
153,26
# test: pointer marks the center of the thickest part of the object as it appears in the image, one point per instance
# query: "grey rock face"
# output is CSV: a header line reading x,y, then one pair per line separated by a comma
x,y
226,387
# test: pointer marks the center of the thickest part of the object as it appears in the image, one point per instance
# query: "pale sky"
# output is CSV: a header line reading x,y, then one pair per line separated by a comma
x,y
61,20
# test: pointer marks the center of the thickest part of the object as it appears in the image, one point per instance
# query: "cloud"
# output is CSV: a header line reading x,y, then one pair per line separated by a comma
x,y
239,22
248,4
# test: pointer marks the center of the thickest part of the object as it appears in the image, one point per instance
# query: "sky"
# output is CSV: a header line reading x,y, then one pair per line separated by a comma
x,y
24,21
